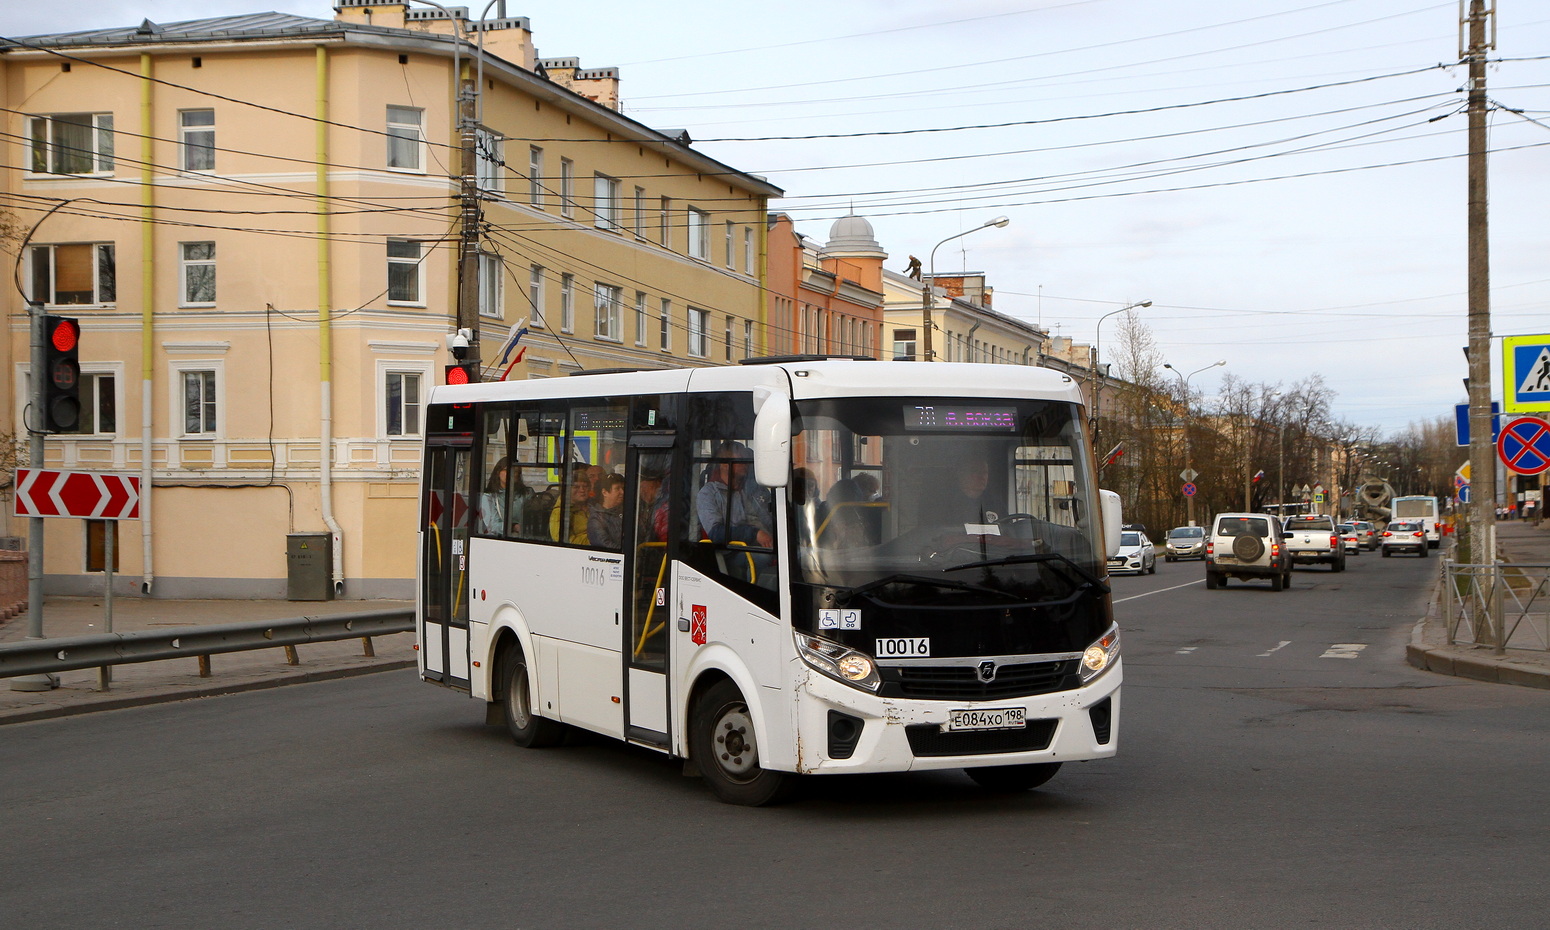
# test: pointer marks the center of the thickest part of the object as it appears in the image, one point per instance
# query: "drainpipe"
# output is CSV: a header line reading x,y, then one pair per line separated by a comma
x,y
968,338
325,329
147,323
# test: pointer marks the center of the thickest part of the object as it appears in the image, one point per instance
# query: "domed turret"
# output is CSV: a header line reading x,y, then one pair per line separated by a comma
x,y
852,237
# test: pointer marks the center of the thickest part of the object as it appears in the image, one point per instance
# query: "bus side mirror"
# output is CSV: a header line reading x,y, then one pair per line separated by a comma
x,y
1113,521
772,442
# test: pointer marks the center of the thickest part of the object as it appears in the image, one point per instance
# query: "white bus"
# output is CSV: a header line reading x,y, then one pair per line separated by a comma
x,y
809,566
1418,507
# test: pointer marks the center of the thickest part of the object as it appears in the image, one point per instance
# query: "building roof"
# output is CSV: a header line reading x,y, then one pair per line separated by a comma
x,y
244,26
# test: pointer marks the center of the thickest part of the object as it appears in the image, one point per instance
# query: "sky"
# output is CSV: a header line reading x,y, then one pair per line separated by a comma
x,y
1284,180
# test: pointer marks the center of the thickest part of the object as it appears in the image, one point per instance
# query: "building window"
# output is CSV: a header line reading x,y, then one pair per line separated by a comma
x,y
567,187
665,326
196,133
567,303
405,139
72,143
731,251
729,338
199,403
73,275
699,234
492,286
403,404
99,404
196,271
748,249
608,303
748,339
406,272
535,176
491,151
605,191
640,212
665,221
97,545
535,294
640,318
904,345
699,333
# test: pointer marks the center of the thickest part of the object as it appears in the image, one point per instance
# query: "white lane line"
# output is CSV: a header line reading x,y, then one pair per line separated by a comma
x,y
1158,591
1284,644
1187,650
1344,651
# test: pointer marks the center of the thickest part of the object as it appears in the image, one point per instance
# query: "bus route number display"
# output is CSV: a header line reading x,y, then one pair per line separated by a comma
x,y
961,418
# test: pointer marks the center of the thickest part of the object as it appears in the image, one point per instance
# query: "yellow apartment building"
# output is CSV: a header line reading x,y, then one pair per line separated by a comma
x,y
257,220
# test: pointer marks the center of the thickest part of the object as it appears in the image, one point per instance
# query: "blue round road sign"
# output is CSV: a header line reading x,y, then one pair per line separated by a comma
x,y
1189,489
1524,445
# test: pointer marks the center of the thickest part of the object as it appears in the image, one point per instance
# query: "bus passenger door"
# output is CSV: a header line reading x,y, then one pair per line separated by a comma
x,y
444,564
648,601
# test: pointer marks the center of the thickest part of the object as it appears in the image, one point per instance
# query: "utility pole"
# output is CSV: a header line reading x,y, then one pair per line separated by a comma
x,y
1482,458
35,459
468,252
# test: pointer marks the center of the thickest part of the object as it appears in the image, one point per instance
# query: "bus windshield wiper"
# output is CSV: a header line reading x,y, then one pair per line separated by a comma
x,y
904,578
1036,557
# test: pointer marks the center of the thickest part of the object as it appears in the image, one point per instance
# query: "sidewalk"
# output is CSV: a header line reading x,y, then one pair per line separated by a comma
x,y
140,683
1516,541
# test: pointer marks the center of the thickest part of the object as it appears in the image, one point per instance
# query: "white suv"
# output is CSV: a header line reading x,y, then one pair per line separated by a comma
x,y
1247,546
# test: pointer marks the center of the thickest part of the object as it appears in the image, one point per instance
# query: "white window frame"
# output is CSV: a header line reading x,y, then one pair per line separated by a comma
x,y
640,213
93,397
402,129
699,234
748,250
748,339
388,369
535,295
192,141
535,176
42,145
665,326
53,274
492,286
640,318
567,302
699,333
608,308
186,264
665,221
731,249
419,271
567,187
178,399
606,205
490,162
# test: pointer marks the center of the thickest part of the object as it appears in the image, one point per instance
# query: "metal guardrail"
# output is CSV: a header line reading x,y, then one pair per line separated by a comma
x,y
1499,605
42,656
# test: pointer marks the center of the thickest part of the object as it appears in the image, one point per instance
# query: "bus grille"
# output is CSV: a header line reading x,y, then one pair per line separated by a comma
x,y
927,739
962,683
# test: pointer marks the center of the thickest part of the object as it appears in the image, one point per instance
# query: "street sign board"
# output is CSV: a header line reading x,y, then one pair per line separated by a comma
x,y
1464,494
1524,446
1461,422
1189,489
1189,474
1526,374
88,495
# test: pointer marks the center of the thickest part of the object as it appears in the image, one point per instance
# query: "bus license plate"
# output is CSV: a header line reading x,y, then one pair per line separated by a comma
x,y
987,718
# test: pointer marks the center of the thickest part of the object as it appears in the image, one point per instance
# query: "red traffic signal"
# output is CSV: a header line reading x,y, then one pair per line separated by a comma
x,y
463,373
62,374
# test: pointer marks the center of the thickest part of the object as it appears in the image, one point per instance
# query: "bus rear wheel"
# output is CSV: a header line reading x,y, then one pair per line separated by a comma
x,y
1010,778
527,728
722,745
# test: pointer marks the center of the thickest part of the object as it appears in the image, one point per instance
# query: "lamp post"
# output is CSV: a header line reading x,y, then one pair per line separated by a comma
x,y
1095,383
1189,465
927,298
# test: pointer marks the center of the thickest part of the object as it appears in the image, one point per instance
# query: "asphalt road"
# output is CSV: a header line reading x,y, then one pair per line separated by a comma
x,y
1280,766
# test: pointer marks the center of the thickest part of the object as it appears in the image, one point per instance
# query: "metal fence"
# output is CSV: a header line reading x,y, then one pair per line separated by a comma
x,y
43,656
1499,605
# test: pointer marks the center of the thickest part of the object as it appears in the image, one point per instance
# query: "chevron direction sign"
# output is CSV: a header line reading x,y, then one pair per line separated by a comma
x,y
91,495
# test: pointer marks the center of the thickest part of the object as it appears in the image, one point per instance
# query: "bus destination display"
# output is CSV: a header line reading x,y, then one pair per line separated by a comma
x,y
954,418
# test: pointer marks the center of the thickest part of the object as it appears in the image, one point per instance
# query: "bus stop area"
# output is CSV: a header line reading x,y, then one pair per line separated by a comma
x,y
139,683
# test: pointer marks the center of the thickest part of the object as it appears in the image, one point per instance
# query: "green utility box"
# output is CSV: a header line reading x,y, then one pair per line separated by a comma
x,y
309,567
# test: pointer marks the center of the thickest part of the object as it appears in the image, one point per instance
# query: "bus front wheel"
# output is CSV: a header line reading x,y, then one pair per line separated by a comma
x,y
526,728
723,747
1008,778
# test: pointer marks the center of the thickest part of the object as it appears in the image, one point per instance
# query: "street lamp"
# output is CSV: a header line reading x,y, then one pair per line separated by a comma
x,y
1096,384
927,298
1189,465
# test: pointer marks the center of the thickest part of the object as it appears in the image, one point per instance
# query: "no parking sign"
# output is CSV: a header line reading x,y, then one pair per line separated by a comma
x,y
1524,445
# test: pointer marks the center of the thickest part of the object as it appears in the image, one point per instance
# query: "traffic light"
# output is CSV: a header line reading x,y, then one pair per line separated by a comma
x,y
62,374
463,373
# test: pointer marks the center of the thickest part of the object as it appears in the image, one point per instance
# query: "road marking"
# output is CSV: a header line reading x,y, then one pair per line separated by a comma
x,y
1158,591
1344,651
1187,650
1284,644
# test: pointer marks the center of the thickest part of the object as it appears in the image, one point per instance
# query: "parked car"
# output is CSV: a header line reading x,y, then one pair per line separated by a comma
x,y
1404,536
1136,554
1185,542
1367,534
1350,541
1312,537
1247,546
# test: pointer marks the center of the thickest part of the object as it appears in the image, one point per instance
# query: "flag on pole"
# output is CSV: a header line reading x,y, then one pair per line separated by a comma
x,y
513,336
1258,475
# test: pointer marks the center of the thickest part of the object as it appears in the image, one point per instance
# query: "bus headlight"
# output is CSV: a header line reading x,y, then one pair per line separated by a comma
x,y
839,662
1100,655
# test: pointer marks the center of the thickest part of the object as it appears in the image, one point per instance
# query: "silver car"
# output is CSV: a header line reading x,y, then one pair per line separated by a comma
x,y
1185,542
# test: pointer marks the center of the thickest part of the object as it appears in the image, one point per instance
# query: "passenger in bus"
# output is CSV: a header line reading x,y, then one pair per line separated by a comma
x,y
576,505
492,503
965,501
729,507
605,515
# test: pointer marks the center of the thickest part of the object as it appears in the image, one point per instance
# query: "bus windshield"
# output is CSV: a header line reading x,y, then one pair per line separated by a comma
x,y
903,505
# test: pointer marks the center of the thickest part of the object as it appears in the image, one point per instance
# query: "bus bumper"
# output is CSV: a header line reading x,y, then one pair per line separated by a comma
x,y
847,730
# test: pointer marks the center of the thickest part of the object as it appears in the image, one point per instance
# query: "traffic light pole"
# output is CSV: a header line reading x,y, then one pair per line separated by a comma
x,y
1482,457
37,392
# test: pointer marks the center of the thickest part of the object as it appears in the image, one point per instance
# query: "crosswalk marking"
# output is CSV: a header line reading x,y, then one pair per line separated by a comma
x,y
1187,650
1284,644
1344,651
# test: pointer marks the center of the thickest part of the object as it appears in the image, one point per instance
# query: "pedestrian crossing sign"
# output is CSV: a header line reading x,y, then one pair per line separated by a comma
x,y
1526,374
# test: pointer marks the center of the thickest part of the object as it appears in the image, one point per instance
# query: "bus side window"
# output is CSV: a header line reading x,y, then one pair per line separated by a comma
x,y
535,480
496,515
